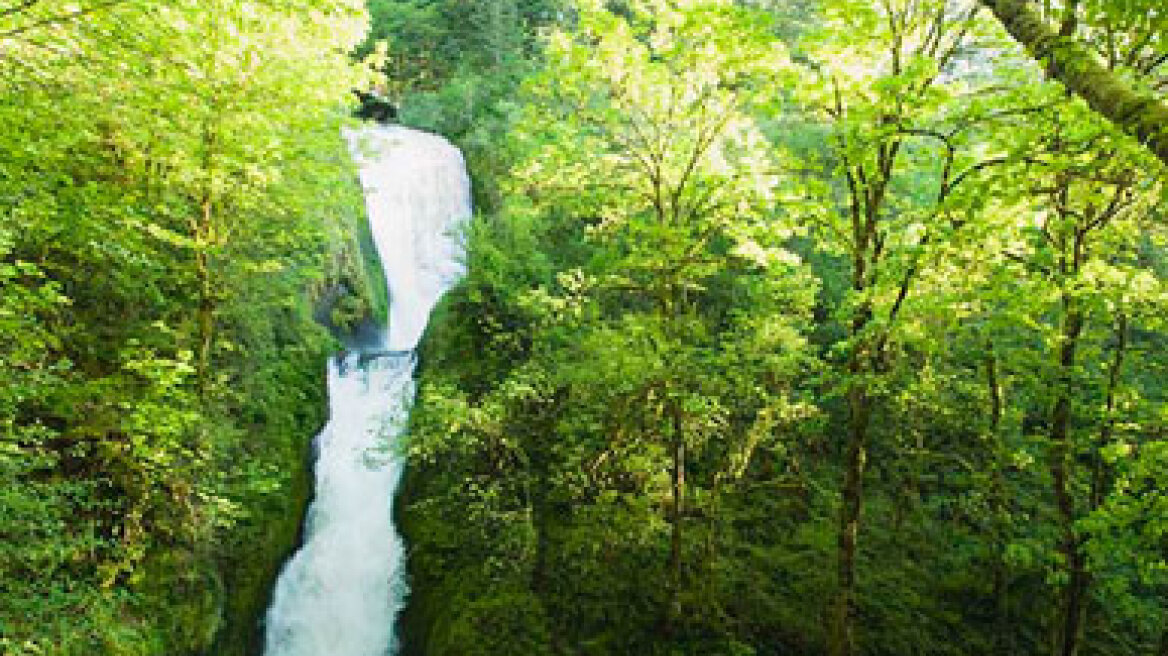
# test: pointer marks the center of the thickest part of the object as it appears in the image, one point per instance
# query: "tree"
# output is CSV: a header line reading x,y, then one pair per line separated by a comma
x,y
678,189
891,95
664,342
1139,112
615,421
174,188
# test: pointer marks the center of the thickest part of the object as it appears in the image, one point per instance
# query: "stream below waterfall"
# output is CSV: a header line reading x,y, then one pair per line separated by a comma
x,y
340,593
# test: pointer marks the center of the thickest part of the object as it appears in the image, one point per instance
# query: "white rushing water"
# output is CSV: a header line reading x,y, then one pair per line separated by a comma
x,y
340,593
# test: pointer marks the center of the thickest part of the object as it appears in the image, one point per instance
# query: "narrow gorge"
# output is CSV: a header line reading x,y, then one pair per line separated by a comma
x,y
341,592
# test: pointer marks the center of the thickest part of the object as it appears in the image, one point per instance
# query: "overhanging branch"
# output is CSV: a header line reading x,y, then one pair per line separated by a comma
x,y
1137,113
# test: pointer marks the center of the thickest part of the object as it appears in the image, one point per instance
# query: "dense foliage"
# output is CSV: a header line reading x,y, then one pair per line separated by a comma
x,y
791,328
173,193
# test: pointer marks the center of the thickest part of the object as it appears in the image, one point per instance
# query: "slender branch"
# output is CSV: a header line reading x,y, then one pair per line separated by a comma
x,y
980,166
1142,115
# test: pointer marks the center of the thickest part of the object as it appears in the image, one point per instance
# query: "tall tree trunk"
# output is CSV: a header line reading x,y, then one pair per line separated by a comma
x,y
1136,112
206,301
673,609
842,638
1075,591
205,237
998,507
1099,476
864,212
540,508
678,476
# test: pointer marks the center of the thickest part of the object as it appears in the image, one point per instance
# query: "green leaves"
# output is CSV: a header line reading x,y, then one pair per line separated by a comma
x,y
682,219
166,162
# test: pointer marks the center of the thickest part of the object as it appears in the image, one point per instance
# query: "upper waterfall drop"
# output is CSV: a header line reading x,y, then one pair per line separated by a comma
x,y
418,196
339,595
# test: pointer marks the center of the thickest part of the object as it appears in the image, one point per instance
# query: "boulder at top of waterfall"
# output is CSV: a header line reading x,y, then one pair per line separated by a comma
x,y
376,107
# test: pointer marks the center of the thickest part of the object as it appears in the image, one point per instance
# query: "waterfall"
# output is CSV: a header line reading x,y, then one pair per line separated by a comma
x,y
339,595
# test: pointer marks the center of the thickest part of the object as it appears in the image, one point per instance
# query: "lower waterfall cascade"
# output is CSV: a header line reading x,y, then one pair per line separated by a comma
x,y
340,593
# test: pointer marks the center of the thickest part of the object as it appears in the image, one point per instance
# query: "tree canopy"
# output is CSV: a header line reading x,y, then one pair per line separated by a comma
x,y
789,326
